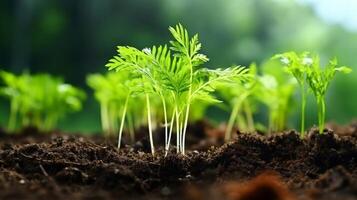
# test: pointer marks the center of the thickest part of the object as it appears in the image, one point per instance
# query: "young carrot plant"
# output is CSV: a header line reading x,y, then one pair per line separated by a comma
x,y
177,78
297,64
318,80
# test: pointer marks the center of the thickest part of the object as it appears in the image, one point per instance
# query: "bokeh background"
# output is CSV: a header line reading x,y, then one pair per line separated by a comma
x,y
71,38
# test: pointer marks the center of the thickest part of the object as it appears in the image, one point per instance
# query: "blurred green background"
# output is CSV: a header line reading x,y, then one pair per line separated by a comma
x,y
73,38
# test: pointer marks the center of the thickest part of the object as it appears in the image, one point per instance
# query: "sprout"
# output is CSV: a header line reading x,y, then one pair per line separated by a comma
x,y
277,96
239,95
297,66
319,80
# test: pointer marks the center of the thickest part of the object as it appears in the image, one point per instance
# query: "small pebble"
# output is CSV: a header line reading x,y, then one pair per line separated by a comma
x,y
165,191
22,181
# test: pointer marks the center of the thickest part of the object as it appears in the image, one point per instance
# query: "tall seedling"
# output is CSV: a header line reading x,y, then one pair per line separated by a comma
x,y
318,80
297,64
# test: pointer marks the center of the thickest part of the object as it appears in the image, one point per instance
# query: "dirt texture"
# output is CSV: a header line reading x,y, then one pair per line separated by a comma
x,y
281,166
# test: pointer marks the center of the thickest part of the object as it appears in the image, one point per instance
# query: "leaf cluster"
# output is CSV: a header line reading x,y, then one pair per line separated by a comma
x,y
175,74
39,100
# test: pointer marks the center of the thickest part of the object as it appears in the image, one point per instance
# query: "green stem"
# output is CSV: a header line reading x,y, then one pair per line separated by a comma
x,y
122,121
322,113
149,124
37,122
178,134
170,132
231,121
131,127
50,122
104,117
182,142
271,122
13,115
184,128
112,119
165,118
303,106
249,116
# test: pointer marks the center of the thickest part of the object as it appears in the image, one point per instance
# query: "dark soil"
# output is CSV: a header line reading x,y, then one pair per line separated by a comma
x,y
281,166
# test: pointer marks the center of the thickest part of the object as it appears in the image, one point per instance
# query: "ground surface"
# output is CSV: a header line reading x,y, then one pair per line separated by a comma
x,y
58,166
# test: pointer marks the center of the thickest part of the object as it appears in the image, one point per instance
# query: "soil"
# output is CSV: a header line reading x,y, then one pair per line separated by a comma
x,y
281,166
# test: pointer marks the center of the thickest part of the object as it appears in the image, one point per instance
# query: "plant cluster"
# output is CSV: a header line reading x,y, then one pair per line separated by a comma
x,y
175,88
310,75
174,76
270,88
38,100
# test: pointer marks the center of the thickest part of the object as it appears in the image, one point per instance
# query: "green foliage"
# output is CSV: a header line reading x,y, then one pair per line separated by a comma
x,y
176,75
319,79
39,100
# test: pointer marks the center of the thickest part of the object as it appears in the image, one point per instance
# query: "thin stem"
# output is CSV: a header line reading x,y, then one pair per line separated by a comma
x,y
271,122
303,106
131,127
170,132
186,121
231,121
122,121
182,142
149,124
112,119
178,134
249,116
322,113
104,117
13,116
165,118
241,122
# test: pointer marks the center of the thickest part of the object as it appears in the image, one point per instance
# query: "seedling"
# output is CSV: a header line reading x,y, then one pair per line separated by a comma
x,y
297,64
113,92
318,80
239,97
176,79
277,97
